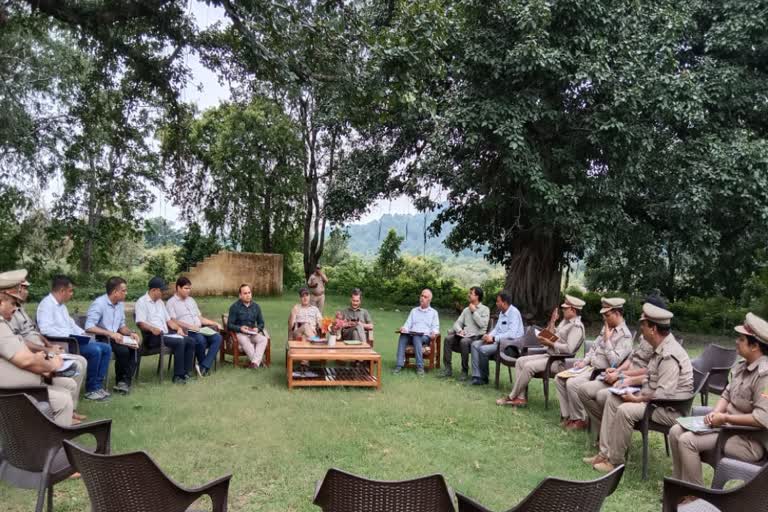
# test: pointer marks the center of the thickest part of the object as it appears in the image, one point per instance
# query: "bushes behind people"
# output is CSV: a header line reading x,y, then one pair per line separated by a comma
x,y
403,287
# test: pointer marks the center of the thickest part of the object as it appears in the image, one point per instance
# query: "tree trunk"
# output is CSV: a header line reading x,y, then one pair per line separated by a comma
x,y
266,225
534,274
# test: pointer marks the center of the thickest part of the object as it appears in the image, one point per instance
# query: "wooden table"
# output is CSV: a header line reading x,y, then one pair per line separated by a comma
x,y
364,376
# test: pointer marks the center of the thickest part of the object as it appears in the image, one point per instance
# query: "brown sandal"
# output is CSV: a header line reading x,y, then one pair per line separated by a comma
x,y
505,401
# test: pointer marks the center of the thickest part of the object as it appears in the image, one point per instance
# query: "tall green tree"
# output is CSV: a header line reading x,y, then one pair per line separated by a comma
x,y
388,260
244,175
561,127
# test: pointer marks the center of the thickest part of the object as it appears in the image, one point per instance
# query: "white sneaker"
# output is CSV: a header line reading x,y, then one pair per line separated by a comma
x,y
95,396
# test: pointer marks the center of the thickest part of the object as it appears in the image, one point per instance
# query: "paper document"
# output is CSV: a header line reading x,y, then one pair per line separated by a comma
x,y
128,341
629,390
696,425
66,365
173,335
207,331
572,372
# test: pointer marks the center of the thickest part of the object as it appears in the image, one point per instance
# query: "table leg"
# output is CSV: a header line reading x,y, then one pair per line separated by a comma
x,y
289,369
378,370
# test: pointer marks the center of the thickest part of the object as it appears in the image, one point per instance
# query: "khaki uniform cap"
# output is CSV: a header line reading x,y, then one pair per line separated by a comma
x,y
573,302
611,303
10,281
656,314
754,326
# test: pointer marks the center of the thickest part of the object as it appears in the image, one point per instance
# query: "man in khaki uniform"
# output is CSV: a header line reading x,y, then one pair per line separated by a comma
x,y
22,325
570,335
610,348
21,367
744,402
471,325
316,284
670,376
631,372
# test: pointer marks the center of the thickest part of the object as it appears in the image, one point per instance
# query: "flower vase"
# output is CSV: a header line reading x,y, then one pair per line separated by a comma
x,y
331,340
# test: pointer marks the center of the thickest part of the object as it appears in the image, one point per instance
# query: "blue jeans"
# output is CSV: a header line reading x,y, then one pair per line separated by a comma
x,y
203,342
98,356
418,342
481,353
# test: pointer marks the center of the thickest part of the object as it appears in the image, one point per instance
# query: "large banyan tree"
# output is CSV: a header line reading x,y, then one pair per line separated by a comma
x,y
627,130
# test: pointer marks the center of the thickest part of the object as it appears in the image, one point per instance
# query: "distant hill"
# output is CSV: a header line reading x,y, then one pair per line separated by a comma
x,y
366,238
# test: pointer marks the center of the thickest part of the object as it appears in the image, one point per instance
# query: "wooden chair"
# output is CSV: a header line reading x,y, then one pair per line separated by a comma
x,y
340,491
230,346
131,482
32,456
430,352
556,494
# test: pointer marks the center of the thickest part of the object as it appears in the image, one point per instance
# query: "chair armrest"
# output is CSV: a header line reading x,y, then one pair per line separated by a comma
x,y
729,431
217,489
72,345
467,504
675,490
39,393
101,430
553,358
701,410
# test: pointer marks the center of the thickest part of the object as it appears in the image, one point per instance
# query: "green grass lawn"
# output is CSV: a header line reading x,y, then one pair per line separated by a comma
x,y
278,443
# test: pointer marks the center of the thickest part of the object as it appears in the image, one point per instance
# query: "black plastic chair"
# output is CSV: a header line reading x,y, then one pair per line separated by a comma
x,y
39,395
547,374
510,351
161,351
557,494
133,482
32,456
340,491
70,344
726,432
752,495
683,405
717,361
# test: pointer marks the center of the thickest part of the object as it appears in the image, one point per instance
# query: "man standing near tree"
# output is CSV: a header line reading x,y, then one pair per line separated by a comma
x,y
316,284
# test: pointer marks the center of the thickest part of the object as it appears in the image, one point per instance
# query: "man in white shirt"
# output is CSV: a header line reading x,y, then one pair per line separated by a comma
x,y
183,308
508,327
423,323
153,320
53,320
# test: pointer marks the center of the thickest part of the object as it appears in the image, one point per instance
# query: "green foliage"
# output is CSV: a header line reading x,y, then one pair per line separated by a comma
x,y
413,274
293,272
389,262
336,247
163,262
195,247
159,231
243,173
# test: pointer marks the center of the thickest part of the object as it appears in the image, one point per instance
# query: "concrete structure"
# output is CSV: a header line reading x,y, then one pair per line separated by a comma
x,y
224,272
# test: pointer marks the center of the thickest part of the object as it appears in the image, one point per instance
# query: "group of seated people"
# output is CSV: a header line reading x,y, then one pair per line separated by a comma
x,y
658,365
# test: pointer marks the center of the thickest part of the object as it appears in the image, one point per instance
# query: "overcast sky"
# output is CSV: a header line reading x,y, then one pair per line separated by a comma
x,y
205,90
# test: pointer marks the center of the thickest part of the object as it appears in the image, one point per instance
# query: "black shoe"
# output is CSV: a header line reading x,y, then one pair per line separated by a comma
x,y
478,382
445,374
463,376
179,380
397,370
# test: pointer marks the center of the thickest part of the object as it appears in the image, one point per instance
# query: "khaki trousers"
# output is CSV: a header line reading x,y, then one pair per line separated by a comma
x,y
318,301
567,392
619,418
253,345
687,448
307,330
82,369
528,366
60,398
593,396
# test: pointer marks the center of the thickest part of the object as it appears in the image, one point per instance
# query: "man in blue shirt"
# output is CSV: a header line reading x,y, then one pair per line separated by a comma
x,y
53,320
422,324
508,327
106,319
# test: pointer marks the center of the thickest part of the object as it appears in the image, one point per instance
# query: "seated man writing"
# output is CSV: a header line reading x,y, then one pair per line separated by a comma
x,y
471,325
53,320
20,367
153,319
356,319
422,323
246,320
